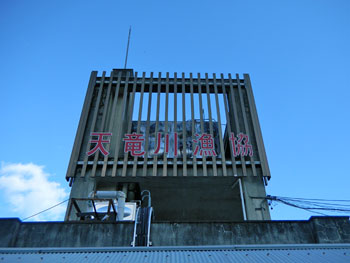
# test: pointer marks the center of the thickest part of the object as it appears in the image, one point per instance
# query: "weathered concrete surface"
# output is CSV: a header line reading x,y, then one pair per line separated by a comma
x,y
81,188
189,198
8,231
64,234
188,234
256,208
331,229
14,233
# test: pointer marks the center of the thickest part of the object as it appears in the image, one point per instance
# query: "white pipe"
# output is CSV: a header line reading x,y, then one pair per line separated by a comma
x,y
242,199
119,195
106,194
149,226
121,205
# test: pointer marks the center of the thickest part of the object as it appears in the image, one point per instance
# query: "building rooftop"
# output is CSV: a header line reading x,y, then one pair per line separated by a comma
x,y
242,253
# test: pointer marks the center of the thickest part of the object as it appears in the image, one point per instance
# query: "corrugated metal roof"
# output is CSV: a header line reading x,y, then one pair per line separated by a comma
x,y
268,253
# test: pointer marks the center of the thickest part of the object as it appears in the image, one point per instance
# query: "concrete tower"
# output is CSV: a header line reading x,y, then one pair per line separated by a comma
x,y
193,141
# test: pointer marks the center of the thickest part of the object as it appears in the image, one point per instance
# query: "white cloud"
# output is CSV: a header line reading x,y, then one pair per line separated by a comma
x,y
28,190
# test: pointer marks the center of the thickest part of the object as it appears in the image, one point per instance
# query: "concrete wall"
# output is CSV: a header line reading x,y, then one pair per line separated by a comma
x,y
14,233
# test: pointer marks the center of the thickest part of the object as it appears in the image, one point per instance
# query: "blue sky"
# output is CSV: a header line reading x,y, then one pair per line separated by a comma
x,y
296,52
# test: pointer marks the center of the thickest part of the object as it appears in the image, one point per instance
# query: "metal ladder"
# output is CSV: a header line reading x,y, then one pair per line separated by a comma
x,y
142,226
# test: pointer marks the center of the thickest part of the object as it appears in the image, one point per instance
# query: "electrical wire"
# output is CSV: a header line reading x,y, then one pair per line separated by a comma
x,y
315,199
304,208
313,205
309,204
45,210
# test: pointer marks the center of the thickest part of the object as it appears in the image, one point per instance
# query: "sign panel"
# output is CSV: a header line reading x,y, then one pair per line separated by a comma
x,y
202,144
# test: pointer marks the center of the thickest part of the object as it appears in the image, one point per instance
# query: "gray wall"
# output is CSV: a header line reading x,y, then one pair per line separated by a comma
x,y
14,233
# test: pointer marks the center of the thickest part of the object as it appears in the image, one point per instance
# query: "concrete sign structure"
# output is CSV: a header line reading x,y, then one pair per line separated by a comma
x,y
193,141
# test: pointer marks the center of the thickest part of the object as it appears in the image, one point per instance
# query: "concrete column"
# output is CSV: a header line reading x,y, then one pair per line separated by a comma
x,y
81,188
254,193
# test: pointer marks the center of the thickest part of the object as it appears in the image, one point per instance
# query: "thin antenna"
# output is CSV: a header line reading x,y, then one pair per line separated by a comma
x,y
127,48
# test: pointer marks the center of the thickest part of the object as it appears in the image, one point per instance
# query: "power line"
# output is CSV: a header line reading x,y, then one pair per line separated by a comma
x,y
312,204
304,208
308,204
315,199
45,210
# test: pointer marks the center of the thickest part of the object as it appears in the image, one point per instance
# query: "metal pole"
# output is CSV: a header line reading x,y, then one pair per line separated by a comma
x,y
127,48
242,199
